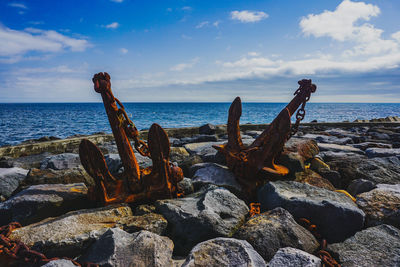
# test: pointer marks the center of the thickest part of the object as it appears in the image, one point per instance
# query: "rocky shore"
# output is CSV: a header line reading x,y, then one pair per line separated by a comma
x,y
44,187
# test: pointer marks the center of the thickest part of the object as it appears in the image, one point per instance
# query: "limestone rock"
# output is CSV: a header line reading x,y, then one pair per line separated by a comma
x,y
25,162
360,186
339,148
275,229
365,145
206,214
312,178
70,234
381,205
382,152
207,129
119,248
10,178
292,257
306,148
224,252
151,222
42,201
374,246
61,161
59,263
322,207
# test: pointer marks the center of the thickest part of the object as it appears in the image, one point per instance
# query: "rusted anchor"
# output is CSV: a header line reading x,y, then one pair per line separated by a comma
x,y
159,181
255,164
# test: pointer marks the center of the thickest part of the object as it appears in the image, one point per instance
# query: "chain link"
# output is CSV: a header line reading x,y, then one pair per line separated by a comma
x,y
16,251
301,112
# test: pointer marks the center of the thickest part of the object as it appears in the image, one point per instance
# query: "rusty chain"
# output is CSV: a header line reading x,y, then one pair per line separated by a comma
x,y
325,256
131,130
17,252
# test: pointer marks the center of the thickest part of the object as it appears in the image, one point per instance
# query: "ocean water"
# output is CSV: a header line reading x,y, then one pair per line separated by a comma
x,y
19,122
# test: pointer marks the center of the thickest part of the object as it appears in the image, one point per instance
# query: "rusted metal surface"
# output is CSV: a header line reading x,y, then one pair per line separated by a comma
x,y
16,253
254,208
255,164
159,181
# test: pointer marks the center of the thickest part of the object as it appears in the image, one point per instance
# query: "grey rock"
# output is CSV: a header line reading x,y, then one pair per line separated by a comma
x,y
379,136
382,152
42,201
381,205
216,174
374,246
201,148
207,129
187,186
151,222
332,176
61,161
72,233
359,186
10,178
253,134
59,263
144,209
365,145
306,148
224,252
329,139
322,207
114,162
25,162
275,229
208,213
339,148
293,161
50,176
292,257
119,248
199,138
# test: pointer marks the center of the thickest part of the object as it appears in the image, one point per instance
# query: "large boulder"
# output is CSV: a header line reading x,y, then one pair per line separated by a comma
x,y
275,229
38,202
374,246
71,234
224,252
292,257
381,205
59,263
208,213
61,161
151,222
335,214
382,152
339,148
119,248
207,129
25,162
10,178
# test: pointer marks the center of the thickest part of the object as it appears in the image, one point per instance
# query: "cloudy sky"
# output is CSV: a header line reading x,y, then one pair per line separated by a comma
x,y
195,51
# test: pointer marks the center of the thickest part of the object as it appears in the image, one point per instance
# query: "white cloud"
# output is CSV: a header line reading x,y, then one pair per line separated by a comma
x,y
17,43
117,1
216,23
202,24
396,36
113,25
183,66
124,51
248,16
253,54
18,5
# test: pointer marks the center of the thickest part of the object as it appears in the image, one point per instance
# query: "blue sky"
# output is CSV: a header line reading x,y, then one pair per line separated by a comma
x,y
196,51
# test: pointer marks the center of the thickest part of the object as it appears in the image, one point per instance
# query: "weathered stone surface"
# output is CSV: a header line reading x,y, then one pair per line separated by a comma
x,y
151,222
332,176
207,129
61,161
292,257
307,148
322,207
209,213
275,229
293,161
25,162
312,178
114,162
50,176
382,152
365,145
42,201
10,178
144,209
201,148
216,174
329,139
360,186
70,234
381,205
119,248
318,165
375,246
224,252
59,263
187,163
339,148
199,138
186,185
178,154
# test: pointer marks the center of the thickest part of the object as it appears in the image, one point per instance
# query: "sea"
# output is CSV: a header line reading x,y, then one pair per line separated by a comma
x,y
24,121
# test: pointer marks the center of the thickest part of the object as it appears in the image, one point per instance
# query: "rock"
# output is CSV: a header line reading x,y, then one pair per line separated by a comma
x,y
332,176
329,139
70,234
275,229
10,178
207,129
306,148
178,154
312,178
382,152
216,174
318,165
119,248
365,145
291,257
379,136
293,161
151,222
187,186
224,252
144,209
206,214
201,148
42,201
59,263
143,161
381,205
339,148
61,161
322,207
359,186
50,176
114,162
25,162
375,246
199,139
187,163
254,134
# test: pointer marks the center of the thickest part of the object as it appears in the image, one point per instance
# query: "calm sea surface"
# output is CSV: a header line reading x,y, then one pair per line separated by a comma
x,y
19,122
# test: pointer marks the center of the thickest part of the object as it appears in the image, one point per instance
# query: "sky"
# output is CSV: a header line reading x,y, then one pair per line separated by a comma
x,y
200,50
